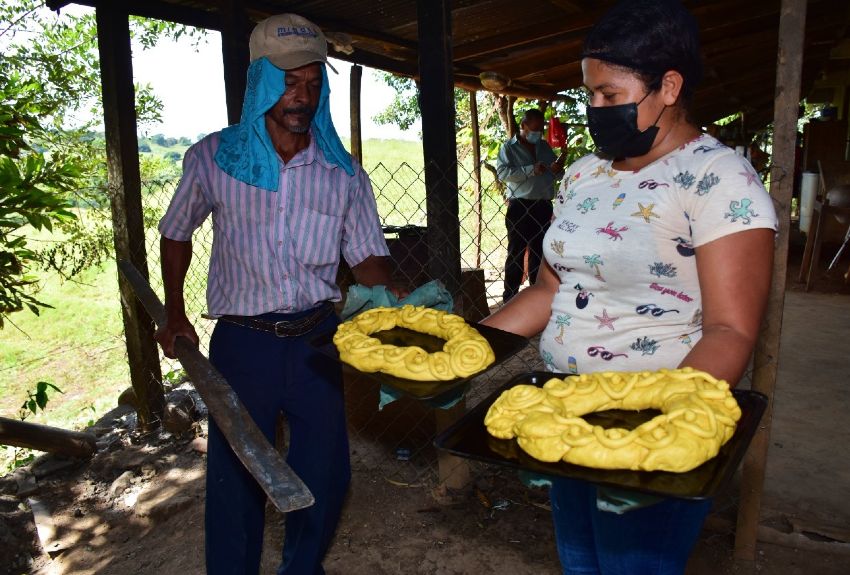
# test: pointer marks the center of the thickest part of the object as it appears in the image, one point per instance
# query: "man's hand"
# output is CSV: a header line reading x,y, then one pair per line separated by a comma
x,y
176,326
398,291
558,165
540,168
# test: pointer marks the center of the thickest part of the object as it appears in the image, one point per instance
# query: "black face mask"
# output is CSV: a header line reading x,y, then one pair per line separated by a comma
x,y
614,130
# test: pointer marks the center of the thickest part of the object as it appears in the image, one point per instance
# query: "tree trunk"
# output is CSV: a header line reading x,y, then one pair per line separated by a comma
x,y
46,438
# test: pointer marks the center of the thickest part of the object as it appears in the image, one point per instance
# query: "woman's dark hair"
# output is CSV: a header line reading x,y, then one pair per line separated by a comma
x,y
649,37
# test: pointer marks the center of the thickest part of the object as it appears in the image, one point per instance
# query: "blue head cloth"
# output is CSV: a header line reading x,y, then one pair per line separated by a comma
x,y
245,150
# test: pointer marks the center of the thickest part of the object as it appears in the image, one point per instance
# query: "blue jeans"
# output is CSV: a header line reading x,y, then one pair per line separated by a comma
x,y
273,375
653,540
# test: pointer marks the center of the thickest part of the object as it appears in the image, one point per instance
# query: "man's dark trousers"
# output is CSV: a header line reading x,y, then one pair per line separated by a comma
x,y
527,222
271,375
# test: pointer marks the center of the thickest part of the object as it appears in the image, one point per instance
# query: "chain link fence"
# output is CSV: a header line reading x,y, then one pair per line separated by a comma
x,y
394,440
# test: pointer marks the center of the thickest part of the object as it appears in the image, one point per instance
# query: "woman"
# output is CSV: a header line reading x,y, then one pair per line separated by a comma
x,y
659,255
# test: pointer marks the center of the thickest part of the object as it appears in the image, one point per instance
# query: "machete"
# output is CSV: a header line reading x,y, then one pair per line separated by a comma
x,y
286,490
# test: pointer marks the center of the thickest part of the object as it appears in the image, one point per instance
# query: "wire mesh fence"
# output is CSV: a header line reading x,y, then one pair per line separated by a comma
x,y
393,438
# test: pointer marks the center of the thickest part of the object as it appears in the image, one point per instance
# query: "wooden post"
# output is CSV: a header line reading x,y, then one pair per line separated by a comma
x,y
792,24
454,472
235,31
46,438
125,194
476,173
354,112
436,102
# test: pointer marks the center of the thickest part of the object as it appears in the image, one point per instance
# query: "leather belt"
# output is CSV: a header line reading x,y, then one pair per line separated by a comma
x,y
284,328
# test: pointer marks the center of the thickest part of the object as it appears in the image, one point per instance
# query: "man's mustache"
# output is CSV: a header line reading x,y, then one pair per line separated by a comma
x,y
304,110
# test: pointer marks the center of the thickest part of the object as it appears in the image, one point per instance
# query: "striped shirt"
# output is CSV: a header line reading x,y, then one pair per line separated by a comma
x,y
275,251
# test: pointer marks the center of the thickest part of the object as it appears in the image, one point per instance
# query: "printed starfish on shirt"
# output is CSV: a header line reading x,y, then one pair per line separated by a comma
x,y
751,176
646,212
605,320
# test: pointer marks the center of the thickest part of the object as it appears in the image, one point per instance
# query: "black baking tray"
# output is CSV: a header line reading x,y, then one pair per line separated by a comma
x,y
504,344
468,437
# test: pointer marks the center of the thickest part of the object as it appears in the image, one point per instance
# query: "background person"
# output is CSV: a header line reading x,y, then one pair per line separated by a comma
x,y
286,199
528,166
660,254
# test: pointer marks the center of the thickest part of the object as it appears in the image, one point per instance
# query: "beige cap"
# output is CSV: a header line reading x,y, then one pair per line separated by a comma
x,y
289,41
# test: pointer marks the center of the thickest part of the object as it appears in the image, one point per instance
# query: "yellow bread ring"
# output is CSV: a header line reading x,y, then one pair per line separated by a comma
x,y
465,352
698,415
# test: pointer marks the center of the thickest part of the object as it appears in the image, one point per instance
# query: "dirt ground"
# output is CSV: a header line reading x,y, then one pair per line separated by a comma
x,y
137,506
156,525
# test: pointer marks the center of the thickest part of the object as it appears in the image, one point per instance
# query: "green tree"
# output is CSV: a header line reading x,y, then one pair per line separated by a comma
x,y
494,115
51,159
34,188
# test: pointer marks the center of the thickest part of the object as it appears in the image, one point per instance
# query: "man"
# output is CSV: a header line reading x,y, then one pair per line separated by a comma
x,y
528,166
286,199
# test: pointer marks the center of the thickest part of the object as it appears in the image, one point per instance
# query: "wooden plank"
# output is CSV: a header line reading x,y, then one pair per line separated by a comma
x,y
125,195
766,361
46,438
158,9
284,488
436,102
354,112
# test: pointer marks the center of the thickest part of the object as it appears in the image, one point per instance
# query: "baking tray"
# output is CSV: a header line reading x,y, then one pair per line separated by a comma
x,y
504,344
468,437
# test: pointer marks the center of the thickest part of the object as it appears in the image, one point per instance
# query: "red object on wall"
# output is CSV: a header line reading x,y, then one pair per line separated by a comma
x,y
557,134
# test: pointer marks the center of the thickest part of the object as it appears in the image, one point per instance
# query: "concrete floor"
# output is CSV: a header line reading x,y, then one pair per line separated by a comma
x,y
808,467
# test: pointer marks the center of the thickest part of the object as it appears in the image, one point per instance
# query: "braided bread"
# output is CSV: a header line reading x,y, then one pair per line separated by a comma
x,y
465,353
698,415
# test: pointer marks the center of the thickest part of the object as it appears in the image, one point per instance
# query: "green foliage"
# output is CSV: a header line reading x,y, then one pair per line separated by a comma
x,y
34,182
37,399
52,165
174,377
403,112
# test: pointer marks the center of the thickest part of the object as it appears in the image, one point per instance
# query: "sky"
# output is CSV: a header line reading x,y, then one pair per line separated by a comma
x,y
191,86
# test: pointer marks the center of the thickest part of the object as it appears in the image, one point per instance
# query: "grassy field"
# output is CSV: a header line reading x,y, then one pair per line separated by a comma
x,y
78,346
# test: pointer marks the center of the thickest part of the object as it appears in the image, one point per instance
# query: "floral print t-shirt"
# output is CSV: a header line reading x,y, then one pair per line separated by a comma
x,y
622,244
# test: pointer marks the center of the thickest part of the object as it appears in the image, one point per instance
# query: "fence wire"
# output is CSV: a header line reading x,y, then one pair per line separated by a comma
x,y
395,441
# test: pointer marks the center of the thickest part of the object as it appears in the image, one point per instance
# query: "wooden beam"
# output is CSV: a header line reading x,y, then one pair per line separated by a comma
x,y
354,112
125,194
46,438
547,33
436,103
792,24
476,174
235,31
399,67
157,9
